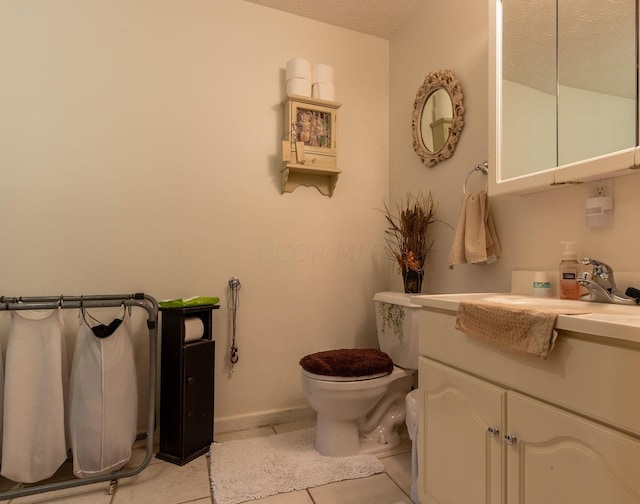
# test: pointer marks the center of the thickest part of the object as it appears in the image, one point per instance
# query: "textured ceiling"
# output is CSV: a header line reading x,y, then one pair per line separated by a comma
x,y
375,17
596,47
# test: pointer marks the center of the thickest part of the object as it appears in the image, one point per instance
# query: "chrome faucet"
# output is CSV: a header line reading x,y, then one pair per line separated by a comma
x,y
602,285
602,273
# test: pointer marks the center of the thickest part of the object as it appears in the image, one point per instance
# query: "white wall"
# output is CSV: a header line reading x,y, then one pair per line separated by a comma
x,y
454,35
441,35
529,134
139,149
521,154
606,124
139,152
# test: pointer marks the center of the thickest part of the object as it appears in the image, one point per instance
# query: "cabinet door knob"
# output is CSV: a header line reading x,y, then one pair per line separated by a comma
x,y
493,431
510,439
191,380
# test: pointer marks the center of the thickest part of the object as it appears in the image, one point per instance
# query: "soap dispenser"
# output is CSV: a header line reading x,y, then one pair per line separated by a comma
x,y
569,271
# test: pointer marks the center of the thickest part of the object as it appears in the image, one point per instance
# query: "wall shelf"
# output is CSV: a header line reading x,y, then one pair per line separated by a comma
x,y
323,179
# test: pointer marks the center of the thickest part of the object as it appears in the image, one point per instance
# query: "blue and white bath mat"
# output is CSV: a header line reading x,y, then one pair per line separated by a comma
x,y
248,469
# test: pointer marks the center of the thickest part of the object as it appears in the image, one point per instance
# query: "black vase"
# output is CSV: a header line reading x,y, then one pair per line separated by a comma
x,y
412,281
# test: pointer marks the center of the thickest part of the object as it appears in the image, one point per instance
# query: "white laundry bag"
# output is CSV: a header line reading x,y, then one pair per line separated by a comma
x,y
103,396
34,443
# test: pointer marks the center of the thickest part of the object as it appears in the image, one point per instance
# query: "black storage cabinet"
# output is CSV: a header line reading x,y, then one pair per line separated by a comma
x,y
186,386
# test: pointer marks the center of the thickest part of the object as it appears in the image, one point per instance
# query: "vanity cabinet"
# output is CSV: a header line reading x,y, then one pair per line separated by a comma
x,y
559,457
460,461
497,427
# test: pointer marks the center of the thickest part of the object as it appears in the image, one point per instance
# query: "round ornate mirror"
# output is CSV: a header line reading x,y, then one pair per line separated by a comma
x,y
437,117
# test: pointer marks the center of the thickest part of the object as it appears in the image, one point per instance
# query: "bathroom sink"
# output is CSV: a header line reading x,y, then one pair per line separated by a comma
x,y
600,319
565,304
447,301
450,301
614,318
541,303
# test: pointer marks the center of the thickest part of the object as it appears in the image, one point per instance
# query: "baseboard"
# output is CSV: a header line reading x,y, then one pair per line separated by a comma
x,y
255,419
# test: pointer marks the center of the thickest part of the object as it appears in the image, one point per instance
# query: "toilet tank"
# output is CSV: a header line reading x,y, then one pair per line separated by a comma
x,y
397,324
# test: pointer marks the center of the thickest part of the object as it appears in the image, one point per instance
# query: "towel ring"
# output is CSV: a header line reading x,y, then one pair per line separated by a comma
x,y
482,168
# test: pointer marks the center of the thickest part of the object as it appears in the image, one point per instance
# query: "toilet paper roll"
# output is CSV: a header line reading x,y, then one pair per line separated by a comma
x,y
298,68
299,86
193,329
322,73
325,91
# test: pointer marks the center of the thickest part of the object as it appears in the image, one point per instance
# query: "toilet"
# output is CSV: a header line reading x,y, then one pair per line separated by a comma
x,y
359,394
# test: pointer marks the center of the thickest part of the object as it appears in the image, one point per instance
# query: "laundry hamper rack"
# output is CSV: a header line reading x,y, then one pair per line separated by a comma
x,y
140,300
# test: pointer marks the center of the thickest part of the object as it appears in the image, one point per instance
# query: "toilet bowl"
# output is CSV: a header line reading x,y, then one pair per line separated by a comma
x,y
360,407
351,415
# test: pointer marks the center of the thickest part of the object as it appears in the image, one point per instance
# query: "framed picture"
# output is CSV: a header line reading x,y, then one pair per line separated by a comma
x,y
313,124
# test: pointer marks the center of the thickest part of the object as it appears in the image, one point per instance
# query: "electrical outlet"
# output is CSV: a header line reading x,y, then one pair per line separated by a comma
x,y
600,188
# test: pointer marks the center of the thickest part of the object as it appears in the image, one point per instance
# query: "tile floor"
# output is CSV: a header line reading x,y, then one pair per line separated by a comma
x,y
164,483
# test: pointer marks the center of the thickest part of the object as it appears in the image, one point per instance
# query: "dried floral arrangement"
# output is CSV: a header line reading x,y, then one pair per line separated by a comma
x,y
406,235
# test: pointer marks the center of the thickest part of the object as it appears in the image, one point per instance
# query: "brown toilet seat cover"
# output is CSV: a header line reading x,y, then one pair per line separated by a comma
x,y
348,362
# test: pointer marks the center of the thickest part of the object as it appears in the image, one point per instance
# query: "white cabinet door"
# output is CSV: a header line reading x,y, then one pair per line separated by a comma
x,y
460,461
560,458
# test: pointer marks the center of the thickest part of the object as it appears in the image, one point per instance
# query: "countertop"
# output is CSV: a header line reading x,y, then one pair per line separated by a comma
x,y
621,322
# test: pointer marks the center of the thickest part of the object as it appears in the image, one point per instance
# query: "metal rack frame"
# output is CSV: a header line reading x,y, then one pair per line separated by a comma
x,y
140,300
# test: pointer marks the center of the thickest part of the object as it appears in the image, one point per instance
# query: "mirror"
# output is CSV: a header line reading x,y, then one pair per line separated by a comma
x,y
437,117
568,83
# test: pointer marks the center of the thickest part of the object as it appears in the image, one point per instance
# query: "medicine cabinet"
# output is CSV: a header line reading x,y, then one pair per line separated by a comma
x,y
562,101
309,147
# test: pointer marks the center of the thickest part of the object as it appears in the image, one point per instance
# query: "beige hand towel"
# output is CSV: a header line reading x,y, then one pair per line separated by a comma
x,y
528,331
475,240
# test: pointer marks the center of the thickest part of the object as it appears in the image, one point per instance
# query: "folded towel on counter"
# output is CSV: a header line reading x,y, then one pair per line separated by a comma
x,y
528,331
475,240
